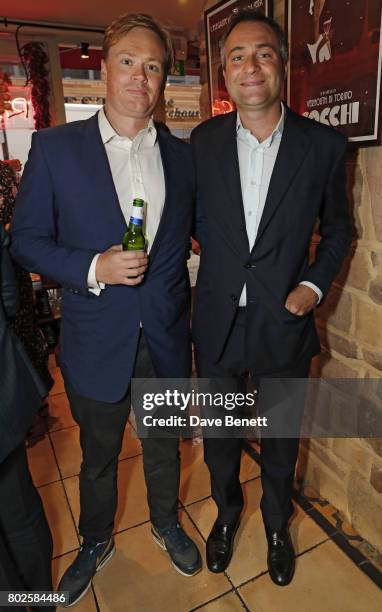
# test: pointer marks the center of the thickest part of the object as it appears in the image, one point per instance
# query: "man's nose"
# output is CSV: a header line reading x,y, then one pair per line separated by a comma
x,y
139,72
251,63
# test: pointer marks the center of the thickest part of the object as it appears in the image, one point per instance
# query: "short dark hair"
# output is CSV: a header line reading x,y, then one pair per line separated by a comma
x,y
248,14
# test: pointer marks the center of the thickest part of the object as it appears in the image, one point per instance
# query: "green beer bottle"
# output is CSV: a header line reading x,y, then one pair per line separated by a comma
x,y
134,239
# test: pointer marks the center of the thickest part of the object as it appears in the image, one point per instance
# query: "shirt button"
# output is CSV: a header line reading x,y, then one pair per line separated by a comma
x,y
249,213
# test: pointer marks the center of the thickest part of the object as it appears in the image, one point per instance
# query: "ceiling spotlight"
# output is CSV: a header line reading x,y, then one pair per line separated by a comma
x,y
85,50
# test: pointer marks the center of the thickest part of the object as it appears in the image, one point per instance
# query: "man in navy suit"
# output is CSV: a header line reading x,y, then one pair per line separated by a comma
x,y
124,314
264,174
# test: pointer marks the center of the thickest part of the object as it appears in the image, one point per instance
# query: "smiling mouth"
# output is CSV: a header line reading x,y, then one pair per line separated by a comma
x,y
252,83
137,92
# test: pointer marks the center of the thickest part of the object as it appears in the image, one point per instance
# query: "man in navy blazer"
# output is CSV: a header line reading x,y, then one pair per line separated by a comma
x,y
264,175
124,314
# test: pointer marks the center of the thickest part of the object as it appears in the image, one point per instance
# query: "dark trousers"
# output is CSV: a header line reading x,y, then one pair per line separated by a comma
x,y
102,427
25,539
222,456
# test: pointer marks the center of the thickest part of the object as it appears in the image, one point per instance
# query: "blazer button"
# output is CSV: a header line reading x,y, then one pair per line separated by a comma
x,y
234,297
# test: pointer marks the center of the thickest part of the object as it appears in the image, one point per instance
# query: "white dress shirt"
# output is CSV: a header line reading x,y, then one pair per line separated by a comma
x,y
256,164
137,171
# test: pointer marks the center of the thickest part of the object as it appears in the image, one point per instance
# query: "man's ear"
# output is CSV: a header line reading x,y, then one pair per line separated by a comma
x,y
103,71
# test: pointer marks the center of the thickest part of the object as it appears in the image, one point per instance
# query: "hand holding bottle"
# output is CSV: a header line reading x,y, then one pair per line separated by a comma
x,y
118,267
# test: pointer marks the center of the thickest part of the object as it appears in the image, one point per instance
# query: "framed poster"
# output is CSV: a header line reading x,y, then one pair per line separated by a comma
x,y
216,20
335,64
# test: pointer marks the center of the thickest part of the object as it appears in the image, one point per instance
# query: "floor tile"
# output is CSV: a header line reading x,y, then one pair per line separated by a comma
x,y
66,444
59,414
249,469
227,603
58,386
325,579
131,445
132,498
141,577
42,462
59,518
87,604
250,552
194,477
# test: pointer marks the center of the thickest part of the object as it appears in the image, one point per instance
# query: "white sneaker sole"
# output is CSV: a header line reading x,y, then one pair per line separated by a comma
x,y
163,547
101,566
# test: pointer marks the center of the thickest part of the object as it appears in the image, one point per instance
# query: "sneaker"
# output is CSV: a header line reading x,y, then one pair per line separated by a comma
x,y
184,554
92,557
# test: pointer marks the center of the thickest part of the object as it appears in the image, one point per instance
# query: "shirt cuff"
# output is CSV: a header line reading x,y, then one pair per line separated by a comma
x,y
93,285
315,289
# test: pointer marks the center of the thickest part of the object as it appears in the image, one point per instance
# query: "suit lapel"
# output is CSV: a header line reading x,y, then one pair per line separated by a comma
x,y
294,146
169,162
99,173
224,143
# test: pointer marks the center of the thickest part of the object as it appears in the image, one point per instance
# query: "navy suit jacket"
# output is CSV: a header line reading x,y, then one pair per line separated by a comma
x,y
308,182
67,211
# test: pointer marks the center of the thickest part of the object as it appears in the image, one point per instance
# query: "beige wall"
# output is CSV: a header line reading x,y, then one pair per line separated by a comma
x,y
348,472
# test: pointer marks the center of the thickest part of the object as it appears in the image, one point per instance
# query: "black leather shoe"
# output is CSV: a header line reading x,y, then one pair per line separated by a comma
x,y
220,546
281,557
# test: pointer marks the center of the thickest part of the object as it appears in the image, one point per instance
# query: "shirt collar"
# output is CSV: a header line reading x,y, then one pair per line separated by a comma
x,y
241,130
148,134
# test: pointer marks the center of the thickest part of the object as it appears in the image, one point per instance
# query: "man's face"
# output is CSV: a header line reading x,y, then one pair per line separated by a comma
x,y
134,73
254,71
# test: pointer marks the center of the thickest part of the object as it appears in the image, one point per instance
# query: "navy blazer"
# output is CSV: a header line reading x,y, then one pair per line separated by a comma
x,y
308,182
67,211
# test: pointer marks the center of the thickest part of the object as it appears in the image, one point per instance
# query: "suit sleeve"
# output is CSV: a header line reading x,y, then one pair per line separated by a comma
x,y
35,238
335,228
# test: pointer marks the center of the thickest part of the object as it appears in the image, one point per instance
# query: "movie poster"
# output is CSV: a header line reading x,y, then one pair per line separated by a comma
x,y
216,20
335,65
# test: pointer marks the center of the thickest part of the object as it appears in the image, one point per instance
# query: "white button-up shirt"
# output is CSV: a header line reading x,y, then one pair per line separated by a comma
x,y
256,164
137,171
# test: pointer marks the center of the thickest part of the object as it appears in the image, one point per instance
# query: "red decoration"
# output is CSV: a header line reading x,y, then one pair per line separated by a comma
x,y
35,59
5,82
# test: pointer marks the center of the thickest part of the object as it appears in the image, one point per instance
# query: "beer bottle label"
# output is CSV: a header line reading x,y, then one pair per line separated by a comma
x,y
136,221
137,215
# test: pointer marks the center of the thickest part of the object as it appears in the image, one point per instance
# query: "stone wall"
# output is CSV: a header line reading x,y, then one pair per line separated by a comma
x,y
348,472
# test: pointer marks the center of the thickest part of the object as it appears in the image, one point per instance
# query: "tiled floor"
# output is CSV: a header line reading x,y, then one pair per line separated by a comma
x,y
140,578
